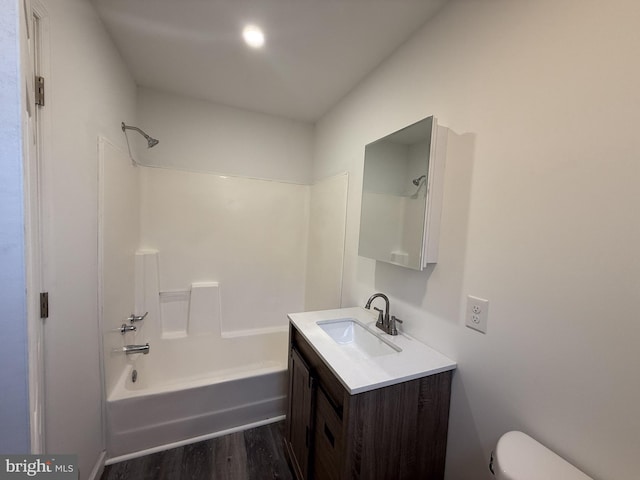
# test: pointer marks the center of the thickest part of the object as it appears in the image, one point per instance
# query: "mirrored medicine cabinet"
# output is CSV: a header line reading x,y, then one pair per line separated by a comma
x,y
402,195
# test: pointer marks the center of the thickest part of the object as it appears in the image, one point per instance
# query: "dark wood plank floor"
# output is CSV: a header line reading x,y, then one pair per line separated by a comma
x,y
256,454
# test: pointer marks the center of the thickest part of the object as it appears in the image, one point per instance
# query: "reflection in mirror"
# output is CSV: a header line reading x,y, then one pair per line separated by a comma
x,y
399,172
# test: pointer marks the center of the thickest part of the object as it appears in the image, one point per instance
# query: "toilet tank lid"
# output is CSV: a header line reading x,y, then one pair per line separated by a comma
x,y
520,457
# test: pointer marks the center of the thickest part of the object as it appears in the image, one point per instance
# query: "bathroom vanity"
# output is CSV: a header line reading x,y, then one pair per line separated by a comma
x,y
364,404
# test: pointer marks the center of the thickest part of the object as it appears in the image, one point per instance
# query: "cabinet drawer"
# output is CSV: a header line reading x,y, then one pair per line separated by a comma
x,y
328,442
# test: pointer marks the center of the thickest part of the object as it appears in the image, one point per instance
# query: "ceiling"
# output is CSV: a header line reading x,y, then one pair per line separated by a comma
x,y
315,52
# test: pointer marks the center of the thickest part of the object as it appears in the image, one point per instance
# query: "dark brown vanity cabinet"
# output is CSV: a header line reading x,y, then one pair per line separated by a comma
x,y
397,432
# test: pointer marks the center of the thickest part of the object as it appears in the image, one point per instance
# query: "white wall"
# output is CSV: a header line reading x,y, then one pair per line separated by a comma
x,y
540,217
89,93
14,401
203,136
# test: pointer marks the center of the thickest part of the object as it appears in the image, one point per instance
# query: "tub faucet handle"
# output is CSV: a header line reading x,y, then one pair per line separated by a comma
x,y
137,318
127,328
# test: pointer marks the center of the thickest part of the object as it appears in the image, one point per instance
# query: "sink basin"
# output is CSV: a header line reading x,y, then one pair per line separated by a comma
x,y
355,339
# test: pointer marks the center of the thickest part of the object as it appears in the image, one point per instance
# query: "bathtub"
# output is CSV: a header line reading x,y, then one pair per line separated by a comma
x,y
195,390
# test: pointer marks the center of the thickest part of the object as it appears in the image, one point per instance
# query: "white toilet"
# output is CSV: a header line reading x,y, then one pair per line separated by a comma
x,y
519,457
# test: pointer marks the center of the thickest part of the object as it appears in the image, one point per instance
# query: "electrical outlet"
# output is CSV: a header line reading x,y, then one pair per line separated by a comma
x,y
477,313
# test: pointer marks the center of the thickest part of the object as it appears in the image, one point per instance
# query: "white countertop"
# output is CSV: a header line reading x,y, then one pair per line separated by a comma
x,y
416,359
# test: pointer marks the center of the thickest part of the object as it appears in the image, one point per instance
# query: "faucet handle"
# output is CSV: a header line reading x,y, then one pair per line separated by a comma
x,y
127,328
137,318
380,315
393,330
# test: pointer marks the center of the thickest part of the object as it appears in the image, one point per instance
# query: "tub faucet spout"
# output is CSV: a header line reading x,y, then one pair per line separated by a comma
x,y
131,349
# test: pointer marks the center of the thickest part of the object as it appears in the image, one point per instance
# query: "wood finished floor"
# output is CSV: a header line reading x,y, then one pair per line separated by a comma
x,y
256,454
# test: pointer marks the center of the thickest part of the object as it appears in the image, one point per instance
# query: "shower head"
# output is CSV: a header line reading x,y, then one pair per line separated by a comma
x,y
416,181
151,142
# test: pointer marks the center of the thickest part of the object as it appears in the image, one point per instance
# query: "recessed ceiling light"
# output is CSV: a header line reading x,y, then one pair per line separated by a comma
x,y
253,36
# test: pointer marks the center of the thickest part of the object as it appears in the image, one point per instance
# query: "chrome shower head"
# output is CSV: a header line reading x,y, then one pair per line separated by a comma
x,y
151,142
416,181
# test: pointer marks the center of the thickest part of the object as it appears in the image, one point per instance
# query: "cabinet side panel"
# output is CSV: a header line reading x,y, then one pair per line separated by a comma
x,y
384,432
399,431
433,424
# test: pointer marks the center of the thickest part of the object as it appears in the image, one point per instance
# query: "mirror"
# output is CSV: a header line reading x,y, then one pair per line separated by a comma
x,y
402,196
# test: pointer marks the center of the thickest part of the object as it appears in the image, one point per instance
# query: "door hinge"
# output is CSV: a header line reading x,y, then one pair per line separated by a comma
x,y
39,91
44,305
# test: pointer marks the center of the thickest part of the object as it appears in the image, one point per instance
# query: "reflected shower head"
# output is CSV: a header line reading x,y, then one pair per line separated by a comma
x,y
151,142
416,181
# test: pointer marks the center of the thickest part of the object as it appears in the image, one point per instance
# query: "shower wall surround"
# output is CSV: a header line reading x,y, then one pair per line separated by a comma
x,y
212,255
215,262
325,253
249,235
118,241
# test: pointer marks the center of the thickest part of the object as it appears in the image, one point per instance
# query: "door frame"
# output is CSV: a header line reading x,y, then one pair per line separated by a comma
x,y
34,157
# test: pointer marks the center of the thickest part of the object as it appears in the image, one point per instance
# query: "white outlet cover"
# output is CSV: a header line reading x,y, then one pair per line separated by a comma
x,y
477,313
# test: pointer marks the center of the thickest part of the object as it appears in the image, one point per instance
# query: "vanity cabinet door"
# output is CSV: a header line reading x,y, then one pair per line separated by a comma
x,y
300,415
328,445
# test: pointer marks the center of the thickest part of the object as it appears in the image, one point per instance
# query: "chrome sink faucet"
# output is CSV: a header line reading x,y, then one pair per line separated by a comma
x,y
385,322
383,319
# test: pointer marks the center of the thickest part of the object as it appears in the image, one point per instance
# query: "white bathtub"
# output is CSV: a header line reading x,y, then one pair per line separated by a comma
x,y
194,389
